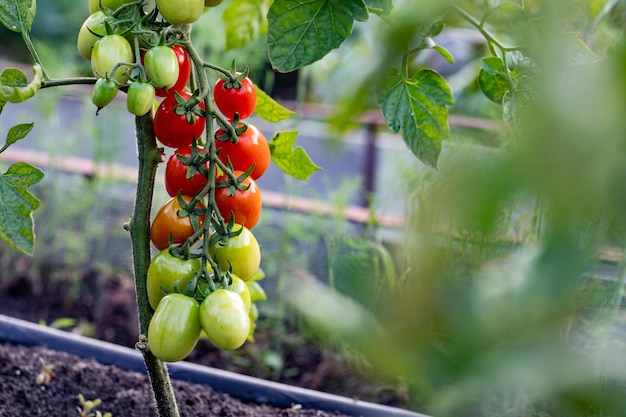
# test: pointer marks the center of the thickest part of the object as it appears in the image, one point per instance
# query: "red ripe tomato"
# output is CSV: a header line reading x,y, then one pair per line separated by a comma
x,y
184,71
176,180
167,222
251,149
245,205
172,129
239,97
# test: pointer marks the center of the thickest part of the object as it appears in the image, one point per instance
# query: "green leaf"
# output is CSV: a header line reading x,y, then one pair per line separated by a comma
x,y
16,133
492,80
14,86
268,109
416,107
17,205
18,15
384,5
293,161
301,32
245,22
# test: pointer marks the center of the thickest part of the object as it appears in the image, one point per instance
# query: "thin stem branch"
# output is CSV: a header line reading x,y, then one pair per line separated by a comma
x,y
479,25
33,52
56,82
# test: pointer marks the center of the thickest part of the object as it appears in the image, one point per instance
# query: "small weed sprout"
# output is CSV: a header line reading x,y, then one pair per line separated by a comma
x,y
87,406
45,376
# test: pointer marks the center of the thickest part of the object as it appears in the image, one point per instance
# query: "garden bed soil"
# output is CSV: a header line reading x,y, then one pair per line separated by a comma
x,y
104,307
123,393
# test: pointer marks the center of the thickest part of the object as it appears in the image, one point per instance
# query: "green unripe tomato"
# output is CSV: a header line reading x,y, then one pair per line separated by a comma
x,y
174,329
224,319
86,40
179,12
240,252
161,64
164,271
104,91
140,98
109,51
239,286
212,3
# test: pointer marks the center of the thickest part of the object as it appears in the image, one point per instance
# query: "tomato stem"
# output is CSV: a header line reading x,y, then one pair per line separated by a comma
x,y
149,156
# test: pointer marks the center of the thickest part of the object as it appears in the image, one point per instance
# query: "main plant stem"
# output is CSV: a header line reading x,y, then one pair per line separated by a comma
x,y
149,155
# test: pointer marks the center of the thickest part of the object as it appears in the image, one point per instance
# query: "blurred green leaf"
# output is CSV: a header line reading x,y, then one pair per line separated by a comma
x,y
302,32
292,161
496,3
18,15
384,5
416,108
16,133
268,109
492,80
17,205
245,22
578,52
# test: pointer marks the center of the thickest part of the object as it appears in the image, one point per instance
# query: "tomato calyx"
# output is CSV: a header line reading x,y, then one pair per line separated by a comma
x,y
233,78
234,182
189,107
196,162
238,128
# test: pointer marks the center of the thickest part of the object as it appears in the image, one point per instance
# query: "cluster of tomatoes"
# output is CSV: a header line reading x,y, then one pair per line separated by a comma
x,y
204,279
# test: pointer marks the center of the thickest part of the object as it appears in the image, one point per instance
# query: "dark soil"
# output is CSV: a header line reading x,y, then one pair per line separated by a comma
x,y
123,393
104,306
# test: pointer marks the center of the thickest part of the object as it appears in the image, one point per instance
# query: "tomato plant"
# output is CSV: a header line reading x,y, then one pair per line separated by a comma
x,y
250,149
139,98
242,202
241,253
168,223
224,318
184,71
107,53
235,96
174,328
165,271
177,178
177,130
161,65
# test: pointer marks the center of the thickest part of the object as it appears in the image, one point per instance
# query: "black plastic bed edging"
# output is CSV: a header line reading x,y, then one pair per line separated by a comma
x,y
242,387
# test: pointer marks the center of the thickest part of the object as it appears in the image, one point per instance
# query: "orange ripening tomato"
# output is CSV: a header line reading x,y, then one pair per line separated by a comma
x,y
167,222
